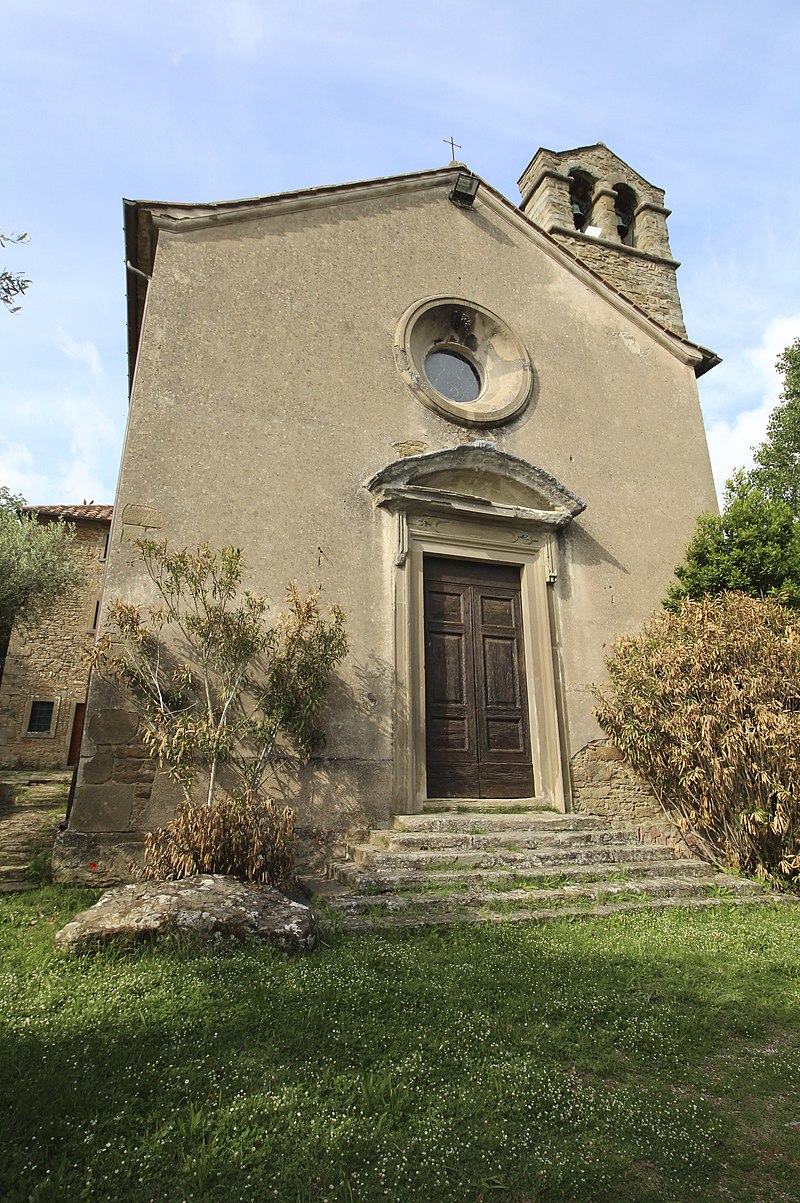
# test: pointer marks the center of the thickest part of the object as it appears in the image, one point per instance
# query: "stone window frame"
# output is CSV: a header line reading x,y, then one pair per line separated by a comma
x,y
40,697
496,353
94,619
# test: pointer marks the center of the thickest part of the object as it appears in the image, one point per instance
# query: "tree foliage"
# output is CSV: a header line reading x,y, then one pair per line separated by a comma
x,y
754,544
776,470
38,564
12,284
216,685
705,705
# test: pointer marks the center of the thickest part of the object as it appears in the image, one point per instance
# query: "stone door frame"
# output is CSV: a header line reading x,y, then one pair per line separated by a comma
x,y
502,543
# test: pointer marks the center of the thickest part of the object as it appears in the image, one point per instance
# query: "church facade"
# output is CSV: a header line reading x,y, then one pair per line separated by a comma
x,y
474,424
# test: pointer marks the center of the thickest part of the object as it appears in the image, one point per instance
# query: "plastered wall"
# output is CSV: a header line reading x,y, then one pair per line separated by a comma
x,y
266,394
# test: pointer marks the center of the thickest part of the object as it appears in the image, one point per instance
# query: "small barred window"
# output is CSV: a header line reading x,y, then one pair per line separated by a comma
x,y
41,717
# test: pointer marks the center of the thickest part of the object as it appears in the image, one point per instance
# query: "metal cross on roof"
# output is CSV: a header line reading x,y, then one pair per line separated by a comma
x,y
452,144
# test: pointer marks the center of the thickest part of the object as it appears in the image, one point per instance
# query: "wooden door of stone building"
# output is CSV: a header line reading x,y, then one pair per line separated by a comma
x,y
477,731
76,734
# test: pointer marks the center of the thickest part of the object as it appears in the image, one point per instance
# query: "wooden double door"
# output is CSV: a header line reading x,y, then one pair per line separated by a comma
x,y
477,733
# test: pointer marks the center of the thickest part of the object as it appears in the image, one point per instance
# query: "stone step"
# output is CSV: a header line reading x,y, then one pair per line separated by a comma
x,y
14,870
15,887
433,918
473,862
675,888
487,805
549,854
513,840
379,881
476,822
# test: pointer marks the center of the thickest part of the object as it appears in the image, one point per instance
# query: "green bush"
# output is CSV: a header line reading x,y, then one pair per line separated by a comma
x,y
705,705
753,546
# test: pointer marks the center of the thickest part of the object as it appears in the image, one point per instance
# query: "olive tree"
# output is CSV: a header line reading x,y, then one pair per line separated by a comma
x,y
38,564
218,687
12,284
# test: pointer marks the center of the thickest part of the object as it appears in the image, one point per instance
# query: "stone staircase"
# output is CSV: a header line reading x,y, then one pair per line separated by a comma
x,y
481,861
14,871
31,805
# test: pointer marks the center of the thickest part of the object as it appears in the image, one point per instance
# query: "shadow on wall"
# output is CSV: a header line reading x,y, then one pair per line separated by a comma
x,y
348,783
363,702
348,779
583,550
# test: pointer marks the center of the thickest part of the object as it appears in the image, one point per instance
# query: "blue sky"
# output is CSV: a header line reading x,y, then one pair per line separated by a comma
x,y
193,101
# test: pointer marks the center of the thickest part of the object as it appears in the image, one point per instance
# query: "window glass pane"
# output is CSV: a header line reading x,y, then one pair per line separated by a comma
x,y
452,375
41,717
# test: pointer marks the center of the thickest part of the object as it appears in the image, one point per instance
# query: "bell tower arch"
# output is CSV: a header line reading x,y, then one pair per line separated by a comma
x,y
612,219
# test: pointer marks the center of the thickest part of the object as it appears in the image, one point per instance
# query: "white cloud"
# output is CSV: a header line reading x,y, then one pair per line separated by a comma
x,y
84,353
245,24
18,473
80,483
78,458
731,438
730,443
780,332
88,428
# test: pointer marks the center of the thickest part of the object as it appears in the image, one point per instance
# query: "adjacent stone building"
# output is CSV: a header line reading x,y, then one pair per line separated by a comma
x,y
43,690
475,425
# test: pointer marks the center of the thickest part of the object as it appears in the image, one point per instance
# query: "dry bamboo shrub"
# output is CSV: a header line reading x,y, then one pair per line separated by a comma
x,y
246,837
705,705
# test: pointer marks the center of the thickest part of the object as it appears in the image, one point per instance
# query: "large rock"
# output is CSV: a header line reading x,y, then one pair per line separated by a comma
x,y
204,905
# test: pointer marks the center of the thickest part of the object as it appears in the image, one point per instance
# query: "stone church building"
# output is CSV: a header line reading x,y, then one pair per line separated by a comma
x,y
474,424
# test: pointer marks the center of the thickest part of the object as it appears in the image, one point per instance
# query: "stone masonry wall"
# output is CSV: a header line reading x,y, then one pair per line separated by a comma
x,y
47,661
604,784
649,282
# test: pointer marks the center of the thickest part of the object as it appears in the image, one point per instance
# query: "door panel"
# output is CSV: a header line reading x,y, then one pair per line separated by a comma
x,y
500,671
445,607
451,733
497,611
477,731
447,682
504,735
448,734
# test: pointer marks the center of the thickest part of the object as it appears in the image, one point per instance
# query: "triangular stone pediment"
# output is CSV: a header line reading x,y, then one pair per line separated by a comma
x,y
614,165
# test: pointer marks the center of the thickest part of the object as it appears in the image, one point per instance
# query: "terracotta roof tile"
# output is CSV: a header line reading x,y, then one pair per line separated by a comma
x,y
72,513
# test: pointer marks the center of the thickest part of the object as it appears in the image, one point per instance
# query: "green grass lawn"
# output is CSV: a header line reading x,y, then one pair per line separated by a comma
x,y
648,1057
